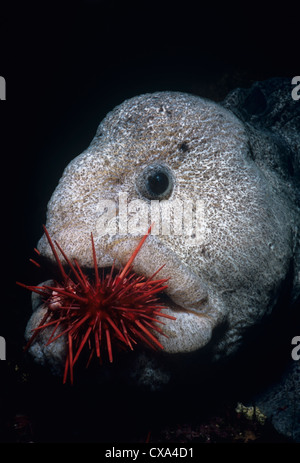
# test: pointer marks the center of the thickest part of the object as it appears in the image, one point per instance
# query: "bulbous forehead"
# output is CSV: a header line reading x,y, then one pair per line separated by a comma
x,y
197,139
170,124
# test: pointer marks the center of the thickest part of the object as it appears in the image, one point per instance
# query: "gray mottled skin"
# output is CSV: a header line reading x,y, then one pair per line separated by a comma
x,y
241,159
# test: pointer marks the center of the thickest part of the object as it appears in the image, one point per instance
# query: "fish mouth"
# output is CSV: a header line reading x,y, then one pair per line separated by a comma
x,y
192,329
185,297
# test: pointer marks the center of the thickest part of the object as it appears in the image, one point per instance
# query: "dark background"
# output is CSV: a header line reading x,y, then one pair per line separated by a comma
x,y
67,65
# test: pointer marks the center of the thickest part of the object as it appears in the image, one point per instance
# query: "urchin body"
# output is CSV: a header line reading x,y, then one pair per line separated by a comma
x,y
232,273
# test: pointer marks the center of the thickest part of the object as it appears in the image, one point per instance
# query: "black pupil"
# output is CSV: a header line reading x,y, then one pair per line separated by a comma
x,y
158,183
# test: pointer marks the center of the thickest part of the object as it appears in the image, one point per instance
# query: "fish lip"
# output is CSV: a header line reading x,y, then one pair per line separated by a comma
x,y
164,297
167,301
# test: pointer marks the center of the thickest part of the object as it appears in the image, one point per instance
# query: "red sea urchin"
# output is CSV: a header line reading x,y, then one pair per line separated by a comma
x,y
119,308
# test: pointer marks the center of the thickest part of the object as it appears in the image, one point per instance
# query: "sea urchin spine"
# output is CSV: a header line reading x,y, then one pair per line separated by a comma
x,y
119,308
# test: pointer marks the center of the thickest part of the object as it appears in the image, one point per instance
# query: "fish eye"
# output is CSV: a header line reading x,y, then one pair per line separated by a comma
x,y
155,182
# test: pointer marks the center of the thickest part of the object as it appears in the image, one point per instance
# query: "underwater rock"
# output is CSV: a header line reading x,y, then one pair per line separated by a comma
x,y
281,403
